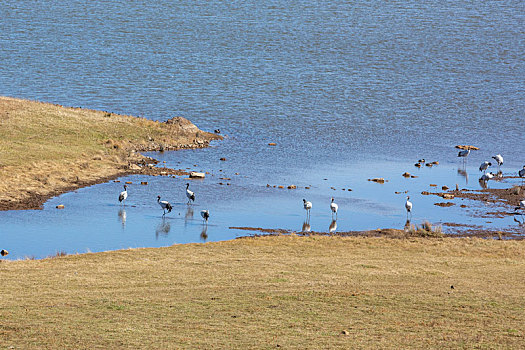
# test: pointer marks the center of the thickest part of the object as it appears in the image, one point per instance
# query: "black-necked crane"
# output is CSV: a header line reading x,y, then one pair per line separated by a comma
x,y
487,176
499,159
190,194
408,206
307,206
205,215
484,166
521,206
123,195
334,207
165,205
464,153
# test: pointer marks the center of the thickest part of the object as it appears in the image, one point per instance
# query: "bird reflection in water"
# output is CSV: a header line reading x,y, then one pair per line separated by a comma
x,y
163,228
306,226
520,220
407,225
189,215
204,234
463,172
333,226
122,217
483,183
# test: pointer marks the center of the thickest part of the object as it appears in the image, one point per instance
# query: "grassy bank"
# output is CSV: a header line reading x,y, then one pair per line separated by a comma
x,y
47,149
283,291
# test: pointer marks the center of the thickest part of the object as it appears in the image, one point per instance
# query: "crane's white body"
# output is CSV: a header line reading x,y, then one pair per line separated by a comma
x,y
123,195
334,207
205,215
408,206
487,177
165,205
499,159
307,206
484,166
190,194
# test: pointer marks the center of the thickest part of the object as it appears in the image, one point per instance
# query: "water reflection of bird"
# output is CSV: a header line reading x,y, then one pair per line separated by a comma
x,y
205,215
483,183
123,195
463,172
189,214
165,205
407,224
408,206
521,222
307,206
122,217
163,228
334,207
190,194
333,226
306,227
204,234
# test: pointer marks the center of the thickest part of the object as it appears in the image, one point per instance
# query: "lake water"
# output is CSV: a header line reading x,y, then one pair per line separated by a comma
x,y
348,91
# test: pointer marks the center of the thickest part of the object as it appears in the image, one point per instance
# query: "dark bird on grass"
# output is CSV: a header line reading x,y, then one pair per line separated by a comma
x,y
123,195
165,205
190,194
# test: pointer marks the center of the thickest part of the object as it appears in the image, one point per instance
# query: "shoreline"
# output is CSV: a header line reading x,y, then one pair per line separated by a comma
x,y
76,148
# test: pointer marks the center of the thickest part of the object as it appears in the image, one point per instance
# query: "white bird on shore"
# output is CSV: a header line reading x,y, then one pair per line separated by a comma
x,y
123,195
190,194
165,205
334,207
487,176
499,159
484,166
408,206
521,206
307,206
464,153
205,215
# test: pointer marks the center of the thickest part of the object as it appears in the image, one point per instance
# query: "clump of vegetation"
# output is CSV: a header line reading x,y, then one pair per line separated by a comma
x,y
425,230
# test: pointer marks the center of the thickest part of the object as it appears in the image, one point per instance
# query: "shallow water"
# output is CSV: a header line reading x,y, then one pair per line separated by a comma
x,y
347,91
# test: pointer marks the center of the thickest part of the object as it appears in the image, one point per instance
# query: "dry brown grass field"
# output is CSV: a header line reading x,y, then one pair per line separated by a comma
x,y
288,292
46,149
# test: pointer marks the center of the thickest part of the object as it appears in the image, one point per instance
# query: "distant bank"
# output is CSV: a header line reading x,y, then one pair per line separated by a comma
x,y
48,149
